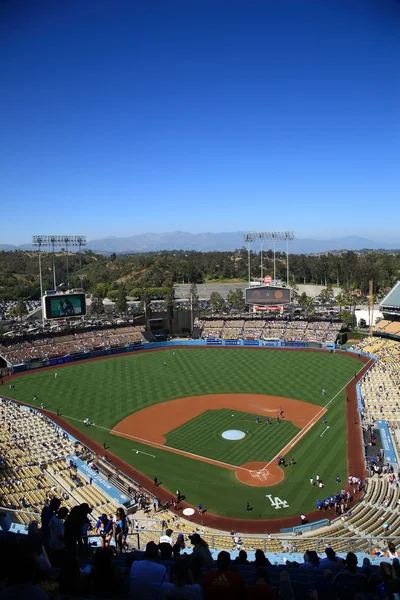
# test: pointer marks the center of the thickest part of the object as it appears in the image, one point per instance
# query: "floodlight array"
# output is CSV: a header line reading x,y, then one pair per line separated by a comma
x,y
59,240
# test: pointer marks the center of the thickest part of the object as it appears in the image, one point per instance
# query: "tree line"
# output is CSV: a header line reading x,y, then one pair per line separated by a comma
x,y
152,275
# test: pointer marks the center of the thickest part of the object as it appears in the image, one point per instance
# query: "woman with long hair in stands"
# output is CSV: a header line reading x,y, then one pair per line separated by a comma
x,y
120,527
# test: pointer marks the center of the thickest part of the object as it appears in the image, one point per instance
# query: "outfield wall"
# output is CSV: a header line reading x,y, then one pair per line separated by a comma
x,y
61,360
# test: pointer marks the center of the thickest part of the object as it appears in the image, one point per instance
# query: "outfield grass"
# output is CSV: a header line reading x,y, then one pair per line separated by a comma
x,y
107,391
203,436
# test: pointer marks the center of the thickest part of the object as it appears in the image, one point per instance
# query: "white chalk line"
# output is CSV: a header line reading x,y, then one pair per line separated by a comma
x,y
313,421
290,445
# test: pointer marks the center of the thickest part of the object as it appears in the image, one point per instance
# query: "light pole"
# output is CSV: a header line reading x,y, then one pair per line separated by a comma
x,y
249,237
289,237
261,237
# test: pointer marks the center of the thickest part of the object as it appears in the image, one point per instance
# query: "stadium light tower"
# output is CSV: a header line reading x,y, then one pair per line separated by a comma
x,y
58,241
289,237
249,237
261,237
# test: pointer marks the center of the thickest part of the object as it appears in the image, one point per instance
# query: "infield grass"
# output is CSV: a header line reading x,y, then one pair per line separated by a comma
x,y
107,391
203,436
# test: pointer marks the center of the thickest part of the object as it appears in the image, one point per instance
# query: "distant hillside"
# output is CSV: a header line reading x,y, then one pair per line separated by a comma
x,y
225,241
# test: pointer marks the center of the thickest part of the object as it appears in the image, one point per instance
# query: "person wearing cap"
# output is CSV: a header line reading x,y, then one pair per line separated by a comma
x,y
331,562
201,550
104,528
167,539
147,576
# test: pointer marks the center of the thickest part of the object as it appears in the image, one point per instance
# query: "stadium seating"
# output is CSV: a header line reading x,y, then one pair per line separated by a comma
x,y
33,452
380,388
79,342
259,329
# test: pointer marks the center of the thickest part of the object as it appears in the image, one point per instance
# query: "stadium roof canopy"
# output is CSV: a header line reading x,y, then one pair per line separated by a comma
x,y
392,300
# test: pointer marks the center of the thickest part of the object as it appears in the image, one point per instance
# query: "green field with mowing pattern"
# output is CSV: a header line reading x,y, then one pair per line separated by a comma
x,y
107,391
203,436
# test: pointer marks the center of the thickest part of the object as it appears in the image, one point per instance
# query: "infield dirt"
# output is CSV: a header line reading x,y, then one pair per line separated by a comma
x,y
150,426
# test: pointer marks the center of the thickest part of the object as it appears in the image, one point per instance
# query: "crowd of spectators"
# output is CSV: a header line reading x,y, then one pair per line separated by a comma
x,y
49,346
6,307
56,560
380,387
257,329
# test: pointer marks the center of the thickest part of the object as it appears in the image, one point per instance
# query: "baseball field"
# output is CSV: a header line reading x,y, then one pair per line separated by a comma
x,y
166,413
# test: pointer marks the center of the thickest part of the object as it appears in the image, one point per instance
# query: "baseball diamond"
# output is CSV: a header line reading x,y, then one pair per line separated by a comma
x,y
174,407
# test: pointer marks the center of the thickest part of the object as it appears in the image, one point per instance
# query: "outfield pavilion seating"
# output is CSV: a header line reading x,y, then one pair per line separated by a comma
x,y
79,342
260,329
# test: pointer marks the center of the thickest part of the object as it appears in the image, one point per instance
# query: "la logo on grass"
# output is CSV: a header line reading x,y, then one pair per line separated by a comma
x,y
277,502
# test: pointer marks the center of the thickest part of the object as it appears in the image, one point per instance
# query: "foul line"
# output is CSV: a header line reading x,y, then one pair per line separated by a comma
x,y
309,425
288,446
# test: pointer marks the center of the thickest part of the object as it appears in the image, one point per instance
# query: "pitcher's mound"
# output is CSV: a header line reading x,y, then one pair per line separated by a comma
x,y
259,474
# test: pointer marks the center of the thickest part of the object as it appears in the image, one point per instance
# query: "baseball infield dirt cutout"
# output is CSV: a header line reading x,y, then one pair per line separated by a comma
x,y
150,426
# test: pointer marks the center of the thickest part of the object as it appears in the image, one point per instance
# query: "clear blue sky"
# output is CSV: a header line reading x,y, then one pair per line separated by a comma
x,y
129,116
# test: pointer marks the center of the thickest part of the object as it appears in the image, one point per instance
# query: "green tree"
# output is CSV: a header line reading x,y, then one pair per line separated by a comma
x,y
97,306
145,299
19,310
236,299
169,297
217,302
121,304
194,297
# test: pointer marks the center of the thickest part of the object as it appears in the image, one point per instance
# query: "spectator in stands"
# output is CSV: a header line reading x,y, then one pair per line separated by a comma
x,y
201,549
261,590
70,578
350,580
121,528
165,550
285,587
21,570
223,584
260,559
5,521
196,570
74,526
146,576
47,513
311,560
106,579
167,539
331,562
104,528
242,558
56,537
179,587
392,551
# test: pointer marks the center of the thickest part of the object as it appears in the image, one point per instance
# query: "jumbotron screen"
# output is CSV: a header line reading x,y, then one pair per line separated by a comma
x,y
268,295
61,306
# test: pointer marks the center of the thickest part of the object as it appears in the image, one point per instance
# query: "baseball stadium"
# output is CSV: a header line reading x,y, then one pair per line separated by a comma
x,y
253,434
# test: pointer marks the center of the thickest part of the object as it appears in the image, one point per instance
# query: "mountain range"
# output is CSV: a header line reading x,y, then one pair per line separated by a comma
x,y
205,242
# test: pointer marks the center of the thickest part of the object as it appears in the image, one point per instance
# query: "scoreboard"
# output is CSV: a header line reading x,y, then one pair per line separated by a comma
x,y
59,306
268,295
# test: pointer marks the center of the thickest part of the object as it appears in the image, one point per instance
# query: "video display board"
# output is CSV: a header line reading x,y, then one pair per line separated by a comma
x,y
64,305
268,295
